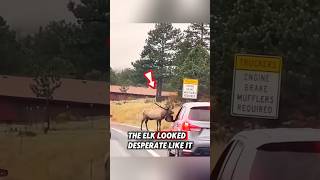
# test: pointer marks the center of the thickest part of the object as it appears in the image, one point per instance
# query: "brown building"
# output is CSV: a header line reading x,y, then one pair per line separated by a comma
x,y
19,104
135,93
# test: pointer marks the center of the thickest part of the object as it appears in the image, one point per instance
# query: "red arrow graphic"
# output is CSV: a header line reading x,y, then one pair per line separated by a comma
x,y
151,81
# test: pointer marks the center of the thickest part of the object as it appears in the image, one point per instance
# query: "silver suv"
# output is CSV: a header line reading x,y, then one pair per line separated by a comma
x,y
194,117
271,154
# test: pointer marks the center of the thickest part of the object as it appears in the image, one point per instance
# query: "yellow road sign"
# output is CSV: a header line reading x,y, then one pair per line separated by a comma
x,y
190,88
190,81
256,86
258,63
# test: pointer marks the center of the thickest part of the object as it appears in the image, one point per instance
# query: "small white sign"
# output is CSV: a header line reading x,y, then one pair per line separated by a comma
x,y
190,89
256,86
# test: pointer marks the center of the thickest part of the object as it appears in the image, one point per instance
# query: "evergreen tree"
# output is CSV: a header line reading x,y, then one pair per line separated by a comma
x,y
198,33
10,56
197,66
158,53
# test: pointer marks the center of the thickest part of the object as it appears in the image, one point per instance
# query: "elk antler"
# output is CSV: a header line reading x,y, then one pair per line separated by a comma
x,y
172,106
161,106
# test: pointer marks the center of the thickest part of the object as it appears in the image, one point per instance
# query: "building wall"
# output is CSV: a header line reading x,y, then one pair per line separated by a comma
x,y
23,110
8,111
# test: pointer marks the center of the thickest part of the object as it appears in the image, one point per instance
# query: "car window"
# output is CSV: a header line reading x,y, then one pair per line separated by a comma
x,y
222,158
200,113
293,160
231,163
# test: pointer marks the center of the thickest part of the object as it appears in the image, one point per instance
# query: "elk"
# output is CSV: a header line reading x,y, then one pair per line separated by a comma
x,y
165,113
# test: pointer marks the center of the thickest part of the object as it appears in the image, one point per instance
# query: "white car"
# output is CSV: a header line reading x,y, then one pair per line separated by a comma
x,y
194,117
271,154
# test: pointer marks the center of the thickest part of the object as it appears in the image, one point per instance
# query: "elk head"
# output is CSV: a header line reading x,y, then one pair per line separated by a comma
x,y
168,113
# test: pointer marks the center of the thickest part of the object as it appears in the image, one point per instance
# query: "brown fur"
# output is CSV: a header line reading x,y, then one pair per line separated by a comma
x,y
157,115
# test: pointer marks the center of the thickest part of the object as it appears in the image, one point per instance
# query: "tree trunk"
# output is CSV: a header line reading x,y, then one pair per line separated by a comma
x,y
159,90
202,32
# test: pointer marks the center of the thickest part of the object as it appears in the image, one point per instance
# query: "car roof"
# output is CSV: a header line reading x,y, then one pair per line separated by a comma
x,y
263,136
196,104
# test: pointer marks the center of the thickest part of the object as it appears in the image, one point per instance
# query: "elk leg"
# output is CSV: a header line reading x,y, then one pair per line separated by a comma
x,y
142,123
147,124
157,125
160,125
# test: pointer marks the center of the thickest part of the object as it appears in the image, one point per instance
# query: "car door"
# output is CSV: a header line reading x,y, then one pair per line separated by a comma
x,y
221,161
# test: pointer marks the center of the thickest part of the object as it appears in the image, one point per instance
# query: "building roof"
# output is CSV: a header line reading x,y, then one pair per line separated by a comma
x,y
141,91
72,90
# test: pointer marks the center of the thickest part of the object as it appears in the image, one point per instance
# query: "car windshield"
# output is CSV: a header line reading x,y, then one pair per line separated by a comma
x,y
282,161
200,113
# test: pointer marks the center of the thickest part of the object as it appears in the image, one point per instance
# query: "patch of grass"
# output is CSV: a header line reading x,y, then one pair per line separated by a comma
x,y
62,154
131,113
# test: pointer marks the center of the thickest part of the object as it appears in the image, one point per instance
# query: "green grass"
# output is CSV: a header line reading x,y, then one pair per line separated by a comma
x,y
65,154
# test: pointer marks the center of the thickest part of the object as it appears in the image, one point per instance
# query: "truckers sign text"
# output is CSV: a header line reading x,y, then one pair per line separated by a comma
x,y
256,86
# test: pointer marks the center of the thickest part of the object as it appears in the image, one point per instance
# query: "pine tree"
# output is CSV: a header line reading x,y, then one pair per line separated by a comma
x,y
158,53
198,33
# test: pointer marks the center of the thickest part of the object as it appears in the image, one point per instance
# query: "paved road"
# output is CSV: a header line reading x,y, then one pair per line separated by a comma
x,y
119,140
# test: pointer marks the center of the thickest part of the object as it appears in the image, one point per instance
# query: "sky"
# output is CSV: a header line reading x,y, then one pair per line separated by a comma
x,y
130,24
26,16
127,41
175,11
